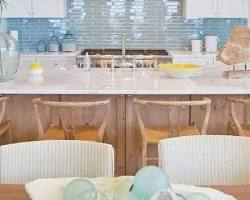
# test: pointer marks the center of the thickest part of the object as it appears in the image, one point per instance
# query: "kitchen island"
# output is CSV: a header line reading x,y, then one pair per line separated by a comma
x,y
121,86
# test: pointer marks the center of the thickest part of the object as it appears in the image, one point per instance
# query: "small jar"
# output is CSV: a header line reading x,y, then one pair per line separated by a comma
x,y
41,46
54,44
68,42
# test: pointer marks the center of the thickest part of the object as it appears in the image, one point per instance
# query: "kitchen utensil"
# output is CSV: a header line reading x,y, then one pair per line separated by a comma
x,y
196,46
181,70
68,42
211,44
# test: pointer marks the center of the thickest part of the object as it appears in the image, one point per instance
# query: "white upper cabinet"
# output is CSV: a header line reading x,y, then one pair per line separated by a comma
x,y
194,9
199,8
35,9
17,8
232,8
45,8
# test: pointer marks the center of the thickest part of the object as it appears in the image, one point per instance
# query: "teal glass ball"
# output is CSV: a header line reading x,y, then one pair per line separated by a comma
x,y
148,181
198,196
80,189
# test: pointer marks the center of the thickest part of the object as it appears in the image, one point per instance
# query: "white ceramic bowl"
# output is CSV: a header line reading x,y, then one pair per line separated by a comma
x,y
36,72
182,73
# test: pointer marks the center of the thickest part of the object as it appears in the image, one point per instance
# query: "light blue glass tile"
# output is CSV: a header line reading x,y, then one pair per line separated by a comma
x,y
101,24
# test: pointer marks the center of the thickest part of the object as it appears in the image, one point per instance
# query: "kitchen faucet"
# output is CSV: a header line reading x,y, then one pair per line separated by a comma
x,y
123,49
124,63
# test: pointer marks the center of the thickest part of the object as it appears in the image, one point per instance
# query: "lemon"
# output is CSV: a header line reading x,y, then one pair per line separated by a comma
x,y
36,66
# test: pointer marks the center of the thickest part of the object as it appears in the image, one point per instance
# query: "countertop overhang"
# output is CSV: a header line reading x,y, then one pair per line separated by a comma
x,y
72,80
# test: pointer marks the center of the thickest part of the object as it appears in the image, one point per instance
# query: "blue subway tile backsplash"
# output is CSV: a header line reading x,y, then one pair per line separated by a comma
x,y
101,24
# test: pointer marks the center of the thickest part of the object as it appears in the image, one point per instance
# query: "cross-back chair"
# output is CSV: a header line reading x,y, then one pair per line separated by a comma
x,y
153,135
66,131
5,126
234,125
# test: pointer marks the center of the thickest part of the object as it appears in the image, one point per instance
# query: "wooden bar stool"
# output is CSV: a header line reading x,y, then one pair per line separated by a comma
x,y
234,125
5,126
153,135
67,129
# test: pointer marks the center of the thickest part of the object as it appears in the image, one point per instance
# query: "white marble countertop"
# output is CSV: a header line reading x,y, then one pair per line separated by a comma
x,y
49,54
191,54
71,80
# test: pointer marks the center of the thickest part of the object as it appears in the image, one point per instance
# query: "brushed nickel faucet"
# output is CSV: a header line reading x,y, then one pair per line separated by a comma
x,y
123,50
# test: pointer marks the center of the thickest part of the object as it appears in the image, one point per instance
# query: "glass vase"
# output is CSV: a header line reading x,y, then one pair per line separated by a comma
x,y
9,57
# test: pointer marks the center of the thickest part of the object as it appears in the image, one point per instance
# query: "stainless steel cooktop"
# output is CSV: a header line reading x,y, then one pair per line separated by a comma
x,y
147,58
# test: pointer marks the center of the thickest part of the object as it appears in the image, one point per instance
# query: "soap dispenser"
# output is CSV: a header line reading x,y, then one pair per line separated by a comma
x,y
87,62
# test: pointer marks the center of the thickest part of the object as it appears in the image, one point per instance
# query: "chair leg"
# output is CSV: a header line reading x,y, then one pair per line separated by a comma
x,y
10,133
231,129
144,154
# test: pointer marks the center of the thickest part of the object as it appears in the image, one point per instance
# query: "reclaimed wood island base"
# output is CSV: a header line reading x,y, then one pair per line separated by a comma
x,y
121,87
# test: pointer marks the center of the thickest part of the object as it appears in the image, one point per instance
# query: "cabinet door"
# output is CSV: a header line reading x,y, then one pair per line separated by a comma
x,y
17,9
232,8
48,8
200,9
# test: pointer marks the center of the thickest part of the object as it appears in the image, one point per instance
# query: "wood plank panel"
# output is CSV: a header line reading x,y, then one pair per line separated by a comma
x,y
121,136
220,111
20,111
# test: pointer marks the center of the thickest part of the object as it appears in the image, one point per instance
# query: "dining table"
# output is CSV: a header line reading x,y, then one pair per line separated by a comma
x,y
17,192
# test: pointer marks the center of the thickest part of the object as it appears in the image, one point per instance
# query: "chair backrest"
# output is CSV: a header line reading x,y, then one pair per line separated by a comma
x,y
205,102
72,106
3,101
24,162
206,160
233,114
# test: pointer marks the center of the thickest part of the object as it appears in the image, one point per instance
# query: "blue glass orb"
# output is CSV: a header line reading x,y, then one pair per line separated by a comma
x,y
198,196
80,189
148,181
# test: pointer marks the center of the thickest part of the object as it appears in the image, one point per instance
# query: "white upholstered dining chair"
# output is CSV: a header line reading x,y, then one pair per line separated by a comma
x,y
206,160
24,162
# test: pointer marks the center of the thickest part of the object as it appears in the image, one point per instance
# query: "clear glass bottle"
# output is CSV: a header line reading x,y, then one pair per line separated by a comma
x,y
9,56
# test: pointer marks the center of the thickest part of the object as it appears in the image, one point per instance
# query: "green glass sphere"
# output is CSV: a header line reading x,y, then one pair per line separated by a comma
x,y
148,181
198,196
80,189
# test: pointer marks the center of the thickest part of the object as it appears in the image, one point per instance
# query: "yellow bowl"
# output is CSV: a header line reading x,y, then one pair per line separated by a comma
x,y
179,66
181,70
